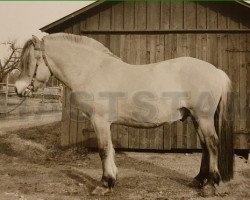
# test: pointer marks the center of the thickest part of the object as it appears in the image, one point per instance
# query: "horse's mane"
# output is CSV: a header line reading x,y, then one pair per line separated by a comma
x,y
25,54
86,41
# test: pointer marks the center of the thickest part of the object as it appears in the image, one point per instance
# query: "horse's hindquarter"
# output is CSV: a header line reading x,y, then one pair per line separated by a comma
x,y
150,94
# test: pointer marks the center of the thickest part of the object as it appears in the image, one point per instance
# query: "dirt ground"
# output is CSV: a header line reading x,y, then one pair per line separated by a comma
x,y
33,167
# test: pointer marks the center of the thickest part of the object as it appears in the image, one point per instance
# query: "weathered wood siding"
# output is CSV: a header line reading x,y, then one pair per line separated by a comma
x,y
228,51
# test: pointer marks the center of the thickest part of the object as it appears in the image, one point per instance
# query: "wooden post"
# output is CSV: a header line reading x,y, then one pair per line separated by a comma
x,y
7,91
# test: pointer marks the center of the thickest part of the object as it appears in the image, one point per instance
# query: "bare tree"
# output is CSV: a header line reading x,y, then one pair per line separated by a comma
x,y
11,62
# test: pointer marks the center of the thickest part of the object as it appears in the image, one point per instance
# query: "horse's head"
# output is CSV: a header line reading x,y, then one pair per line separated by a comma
x,y
35,71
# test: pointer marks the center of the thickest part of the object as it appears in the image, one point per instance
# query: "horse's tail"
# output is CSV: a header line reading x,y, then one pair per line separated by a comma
x,y
224,129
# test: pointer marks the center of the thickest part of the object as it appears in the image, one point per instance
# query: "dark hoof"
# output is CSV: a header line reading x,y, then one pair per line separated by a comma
x,y
208,191
196,183
215,177
108,182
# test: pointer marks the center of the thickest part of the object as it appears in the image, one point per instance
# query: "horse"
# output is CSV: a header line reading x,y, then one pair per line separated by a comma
x,y
109,91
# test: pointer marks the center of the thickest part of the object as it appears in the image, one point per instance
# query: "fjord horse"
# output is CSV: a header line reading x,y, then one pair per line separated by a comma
x,y
110,91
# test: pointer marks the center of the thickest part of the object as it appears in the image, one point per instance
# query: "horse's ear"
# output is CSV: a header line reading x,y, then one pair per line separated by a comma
x,y
35,41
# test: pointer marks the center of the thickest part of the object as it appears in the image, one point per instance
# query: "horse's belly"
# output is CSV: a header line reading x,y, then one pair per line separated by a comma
x,y
150,114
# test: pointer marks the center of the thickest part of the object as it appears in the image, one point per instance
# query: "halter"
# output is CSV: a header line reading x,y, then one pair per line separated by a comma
x,y
41,48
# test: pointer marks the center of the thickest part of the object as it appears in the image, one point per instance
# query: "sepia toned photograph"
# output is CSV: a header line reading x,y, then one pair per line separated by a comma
x,y
125,100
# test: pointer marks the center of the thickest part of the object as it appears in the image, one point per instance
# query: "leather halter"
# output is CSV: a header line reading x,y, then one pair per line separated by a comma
x,y
41,48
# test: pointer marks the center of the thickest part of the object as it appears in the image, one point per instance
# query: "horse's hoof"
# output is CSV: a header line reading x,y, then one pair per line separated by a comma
x,y
196,183
108,182
216,177
208,191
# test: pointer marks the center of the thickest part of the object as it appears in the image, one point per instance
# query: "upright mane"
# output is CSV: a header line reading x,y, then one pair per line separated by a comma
x,y
86,41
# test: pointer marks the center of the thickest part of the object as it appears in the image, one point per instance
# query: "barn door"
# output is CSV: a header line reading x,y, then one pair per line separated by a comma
x,y
239,67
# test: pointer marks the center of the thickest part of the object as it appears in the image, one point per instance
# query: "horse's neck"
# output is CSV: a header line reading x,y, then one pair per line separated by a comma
x,y
71,64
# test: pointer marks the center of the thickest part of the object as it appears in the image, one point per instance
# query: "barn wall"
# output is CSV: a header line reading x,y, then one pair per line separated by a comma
x,y
166,16
228,51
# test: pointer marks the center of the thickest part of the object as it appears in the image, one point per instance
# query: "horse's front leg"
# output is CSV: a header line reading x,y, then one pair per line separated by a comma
x,y
106,151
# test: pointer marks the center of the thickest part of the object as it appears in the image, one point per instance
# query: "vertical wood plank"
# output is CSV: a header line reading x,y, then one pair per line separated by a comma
x,y
173,128
92,22
151,48
160,43
201,47
233,22
129,15
82,25
212,16
115,41
68,29
223,53
125,48
65,133
243,82
153,15
140,15
73,124
212,49
80,127
104,39
117,16
105,19
177,12
76,28
248,81
233,61
135,49
122,136
190,14
168,46
222,19
134,138
167,136
114,135
201,15
191,48
165,15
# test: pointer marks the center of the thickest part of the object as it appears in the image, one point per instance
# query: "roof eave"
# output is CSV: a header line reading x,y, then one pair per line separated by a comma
x,y
52,25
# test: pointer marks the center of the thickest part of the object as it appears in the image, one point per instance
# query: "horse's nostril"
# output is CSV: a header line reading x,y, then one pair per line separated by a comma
x,y
15,90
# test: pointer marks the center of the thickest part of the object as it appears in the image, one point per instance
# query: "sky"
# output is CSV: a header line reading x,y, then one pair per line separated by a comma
x,y
20,20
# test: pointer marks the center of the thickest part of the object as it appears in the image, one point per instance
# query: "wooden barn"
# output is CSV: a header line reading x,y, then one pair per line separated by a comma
x,y
145,32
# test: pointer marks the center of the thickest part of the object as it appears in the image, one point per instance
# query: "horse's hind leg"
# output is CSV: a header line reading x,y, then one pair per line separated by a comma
x,y
202,176
106,151
206,125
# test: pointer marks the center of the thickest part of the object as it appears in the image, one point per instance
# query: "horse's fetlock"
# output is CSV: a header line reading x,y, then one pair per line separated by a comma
x,y
215,177
103,153
108,181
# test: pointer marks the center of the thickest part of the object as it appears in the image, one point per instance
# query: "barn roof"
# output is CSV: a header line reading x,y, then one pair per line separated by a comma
x,y
90,7
71,16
